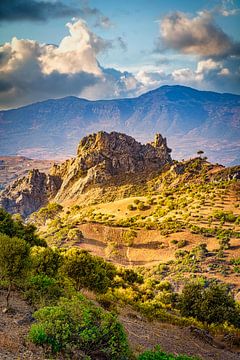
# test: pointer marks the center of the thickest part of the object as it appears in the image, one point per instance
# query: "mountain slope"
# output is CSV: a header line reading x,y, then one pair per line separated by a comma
x,y
191,120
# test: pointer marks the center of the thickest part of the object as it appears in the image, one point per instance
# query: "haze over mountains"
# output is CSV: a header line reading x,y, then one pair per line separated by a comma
x,y
190,119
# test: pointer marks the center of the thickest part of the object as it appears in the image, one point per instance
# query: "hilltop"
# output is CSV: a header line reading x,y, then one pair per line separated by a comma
x,y
103,160
190,119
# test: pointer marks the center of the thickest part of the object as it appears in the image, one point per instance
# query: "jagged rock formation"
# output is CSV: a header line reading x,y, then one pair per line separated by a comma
x,y
102,159
29,193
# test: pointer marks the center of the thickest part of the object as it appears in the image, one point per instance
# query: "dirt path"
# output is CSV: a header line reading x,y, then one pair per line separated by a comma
x,y
144,334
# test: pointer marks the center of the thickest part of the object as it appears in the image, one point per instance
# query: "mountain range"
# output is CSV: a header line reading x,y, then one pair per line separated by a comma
x,y
192,120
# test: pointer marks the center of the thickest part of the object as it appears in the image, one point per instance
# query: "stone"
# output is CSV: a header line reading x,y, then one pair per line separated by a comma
x,y
102,158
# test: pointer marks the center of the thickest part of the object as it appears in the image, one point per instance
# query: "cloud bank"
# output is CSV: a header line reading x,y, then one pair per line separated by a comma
x,y
32,10
30,71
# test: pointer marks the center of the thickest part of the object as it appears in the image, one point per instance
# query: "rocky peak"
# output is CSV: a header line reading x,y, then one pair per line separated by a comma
x,y
102,159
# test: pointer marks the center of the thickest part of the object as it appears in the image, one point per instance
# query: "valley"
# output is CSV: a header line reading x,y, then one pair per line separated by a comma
x,y
137,234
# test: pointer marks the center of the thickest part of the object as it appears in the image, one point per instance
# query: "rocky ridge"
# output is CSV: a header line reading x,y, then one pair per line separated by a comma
x,y
102,159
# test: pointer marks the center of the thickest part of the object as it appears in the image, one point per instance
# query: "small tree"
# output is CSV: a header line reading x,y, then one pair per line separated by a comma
x,y
14,258
200,153
88,271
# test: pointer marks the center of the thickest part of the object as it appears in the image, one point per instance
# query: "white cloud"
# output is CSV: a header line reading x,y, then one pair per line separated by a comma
x,y
198,35
30,71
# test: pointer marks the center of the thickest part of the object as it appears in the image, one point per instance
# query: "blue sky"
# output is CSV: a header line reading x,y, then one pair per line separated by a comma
x,y
146,43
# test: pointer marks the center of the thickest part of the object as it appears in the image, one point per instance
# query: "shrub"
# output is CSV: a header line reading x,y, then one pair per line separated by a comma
x,y
77,324
12,228
45,260
42,289
131,207
14,260
88,271
182,243
158,354
210,303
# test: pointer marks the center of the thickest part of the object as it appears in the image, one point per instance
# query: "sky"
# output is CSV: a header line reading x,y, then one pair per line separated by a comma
x,y
104,49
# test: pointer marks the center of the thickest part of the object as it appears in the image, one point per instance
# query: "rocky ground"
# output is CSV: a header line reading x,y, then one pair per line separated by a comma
x,y
142,334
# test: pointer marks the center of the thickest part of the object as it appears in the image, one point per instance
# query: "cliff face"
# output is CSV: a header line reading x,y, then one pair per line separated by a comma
x,y
101,159
29,193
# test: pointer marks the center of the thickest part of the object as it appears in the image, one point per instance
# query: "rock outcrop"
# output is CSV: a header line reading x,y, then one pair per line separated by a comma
x,y
30,193
102,159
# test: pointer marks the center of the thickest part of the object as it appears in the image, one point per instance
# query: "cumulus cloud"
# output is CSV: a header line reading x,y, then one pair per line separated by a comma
x,y
215,54
209,74
196,36
30,71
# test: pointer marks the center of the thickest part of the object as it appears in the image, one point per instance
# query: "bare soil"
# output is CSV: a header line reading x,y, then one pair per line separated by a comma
x,y
142,335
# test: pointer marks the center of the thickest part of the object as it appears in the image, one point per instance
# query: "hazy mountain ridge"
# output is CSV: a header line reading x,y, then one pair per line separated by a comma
x,y
191,119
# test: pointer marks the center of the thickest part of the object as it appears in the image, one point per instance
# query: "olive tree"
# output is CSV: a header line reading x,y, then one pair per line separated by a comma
x,y
14,259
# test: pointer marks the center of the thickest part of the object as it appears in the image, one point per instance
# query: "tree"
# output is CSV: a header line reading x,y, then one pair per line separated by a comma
x,y
14,259
15,227
45,260
210,303
88,271
200,153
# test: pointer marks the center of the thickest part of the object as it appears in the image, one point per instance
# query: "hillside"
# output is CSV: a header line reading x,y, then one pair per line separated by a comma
x,y
122,233
190,119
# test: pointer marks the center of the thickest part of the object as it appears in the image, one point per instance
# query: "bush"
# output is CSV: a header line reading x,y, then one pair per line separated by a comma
x,y
14,260
182,243
88,271
12,228
210,303
158,354
45,261
42,289
78,325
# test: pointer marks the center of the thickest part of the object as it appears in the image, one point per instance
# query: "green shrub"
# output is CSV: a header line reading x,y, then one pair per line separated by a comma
x,y
17,228
88,271
79,325
14,260
45,260
182,243
42,290
158,354
210,303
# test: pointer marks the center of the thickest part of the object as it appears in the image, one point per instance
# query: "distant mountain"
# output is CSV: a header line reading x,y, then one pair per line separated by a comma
x,y
191,120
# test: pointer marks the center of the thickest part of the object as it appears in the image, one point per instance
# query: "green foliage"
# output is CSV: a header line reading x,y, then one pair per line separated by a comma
x,y
12,228
210,303
77,324
46,213
14,257
129,236
158,354
182,243
88,271
14,260
227,216
42,290
45,260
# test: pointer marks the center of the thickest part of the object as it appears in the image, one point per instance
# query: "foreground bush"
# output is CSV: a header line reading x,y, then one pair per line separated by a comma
x,y
78,325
